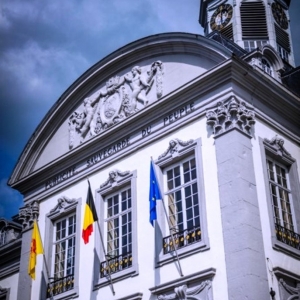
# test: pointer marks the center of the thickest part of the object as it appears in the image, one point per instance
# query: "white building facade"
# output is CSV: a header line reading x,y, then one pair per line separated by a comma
x,y
223,133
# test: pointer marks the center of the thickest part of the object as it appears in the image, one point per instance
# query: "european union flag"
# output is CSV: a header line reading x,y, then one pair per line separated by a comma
x,y
154,193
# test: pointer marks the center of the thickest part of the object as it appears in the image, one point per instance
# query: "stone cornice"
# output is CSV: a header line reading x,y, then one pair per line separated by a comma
x,y
232,73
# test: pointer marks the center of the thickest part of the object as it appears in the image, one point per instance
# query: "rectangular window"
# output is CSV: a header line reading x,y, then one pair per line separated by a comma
x,y
281,198
283,195
118,228
181,216
252,45
280,194
284,54
182,204
116,245
64,256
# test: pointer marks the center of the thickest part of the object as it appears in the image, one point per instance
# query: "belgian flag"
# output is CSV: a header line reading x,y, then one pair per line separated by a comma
x,y
90,216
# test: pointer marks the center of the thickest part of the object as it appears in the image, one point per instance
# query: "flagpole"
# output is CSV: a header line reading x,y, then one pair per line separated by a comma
x,y
173,241
45,262
94,217
110,279
172,237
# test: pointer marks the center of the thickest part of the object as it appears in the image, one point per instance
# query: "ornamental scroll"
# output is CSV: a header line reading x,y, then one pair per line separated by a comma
x,y
200,292
120,98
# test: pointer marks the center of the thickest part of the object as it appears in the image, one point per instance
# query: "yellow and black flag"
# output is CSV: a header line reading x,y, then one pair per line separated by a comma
x,y
90,216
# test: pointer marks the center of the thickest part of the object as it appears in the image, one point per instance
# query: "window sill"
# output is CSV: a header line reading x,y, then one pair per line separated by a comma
x,y
282,247
71,294
129,272
182,252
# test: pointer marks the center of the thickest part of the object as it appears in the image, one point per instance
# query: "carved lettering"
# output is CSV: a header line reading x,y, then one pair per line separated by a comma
x,y
107,152
146,131
59,178
179,113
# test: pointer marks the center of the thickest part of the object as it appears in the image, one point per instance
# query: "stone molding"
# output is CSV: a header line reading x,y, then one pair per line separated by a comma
x,y
114,177
229,114
62,203
201,291
196,286
175,146
294,292
136,296
276,143
9,231
29,213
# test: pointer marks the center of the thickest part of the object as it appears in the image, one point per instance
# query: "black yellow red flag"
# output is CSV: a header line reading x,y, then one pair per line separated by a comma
x,y
90,216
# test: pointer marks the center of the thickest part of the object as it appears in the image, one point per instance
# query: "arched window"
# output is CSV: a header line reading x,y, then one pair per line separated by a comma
x,y
266,66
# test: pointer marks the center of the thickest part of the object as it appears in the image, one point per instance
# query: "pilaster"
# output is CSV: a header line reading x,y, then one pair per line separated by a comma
x,y
242,233
27,214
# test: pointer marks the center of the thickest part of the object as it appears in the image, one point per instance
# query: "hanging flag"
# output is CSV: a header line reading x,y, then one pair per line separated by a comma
x,y
154,193
90,216
36,248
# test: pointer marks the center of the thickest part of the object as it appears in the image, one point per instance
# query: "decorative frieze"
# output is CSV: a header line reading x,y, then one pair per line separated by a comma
x,y
28,214
231,114
201,291
119,99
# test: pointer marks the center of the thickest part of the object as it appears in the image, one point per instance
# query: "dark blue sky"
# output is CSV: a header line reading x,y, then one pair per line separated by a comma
x,y
46,45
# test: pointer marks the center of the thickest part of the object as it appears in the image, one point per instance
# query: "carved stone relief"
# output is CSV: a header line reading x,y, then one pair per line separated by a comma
x,y
231,114
120,98
288,292
8,232
174,146
29,213
113,177
199,292
62,202
276,143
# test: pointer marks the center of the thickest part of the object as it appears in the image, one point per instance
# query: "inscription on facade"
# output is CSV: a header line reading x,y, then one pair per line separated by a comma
x,y
107,152
179,113
122,144
146,131
60,177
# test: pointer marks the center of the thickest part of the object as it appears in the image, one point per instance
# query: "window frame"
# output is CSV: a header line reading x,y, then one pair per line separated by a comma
x,y
193,149
279,156
51,218
267,66
128,180
4,293
280,187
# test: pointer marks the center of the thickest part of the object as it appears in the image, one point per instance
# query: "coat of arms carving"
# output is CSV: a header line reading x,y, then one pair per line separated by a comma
x,y
121,97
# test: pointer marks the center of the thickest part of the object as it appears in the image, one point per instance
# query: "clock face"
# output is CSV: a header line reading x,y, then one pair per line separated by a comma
x,y
221,17
279,15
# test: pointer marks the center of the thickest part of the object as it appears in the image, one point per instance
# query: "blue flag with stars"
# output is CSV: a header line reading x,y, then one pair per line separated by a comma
x,y
154,193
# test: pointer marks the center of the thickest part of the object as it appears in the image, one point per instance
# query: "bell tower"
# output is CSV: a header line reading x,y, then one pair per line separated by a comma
x,y
250,24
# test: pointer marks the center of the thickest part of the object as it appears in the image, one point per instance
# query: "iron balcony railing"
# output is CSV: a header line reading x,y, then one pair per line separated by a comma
x,y
287,237
115,264
181,239
59,286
